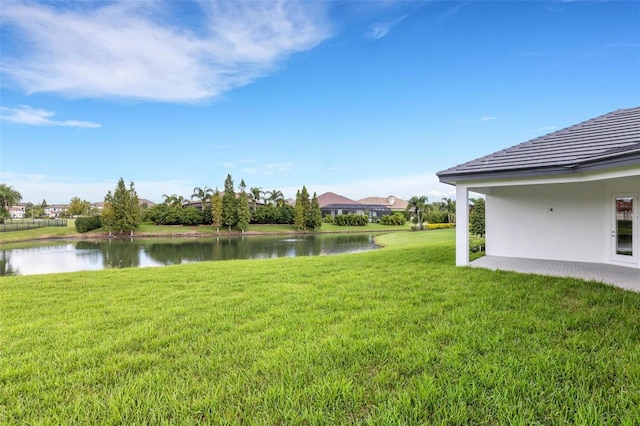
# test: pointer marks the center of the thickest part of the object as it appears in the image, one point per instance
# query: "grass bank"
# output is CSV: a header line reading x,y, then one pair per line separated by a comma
x,y
394,336
151,230
40,233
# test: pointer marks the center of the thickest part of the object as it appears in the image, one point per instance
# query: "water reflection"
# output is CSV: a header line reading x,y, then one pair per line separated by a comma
x,y
6,268
92,255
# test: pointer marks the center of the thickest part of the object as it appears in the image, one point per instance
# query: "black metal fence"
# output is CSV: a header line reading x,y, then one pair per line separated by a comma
x,y
22,224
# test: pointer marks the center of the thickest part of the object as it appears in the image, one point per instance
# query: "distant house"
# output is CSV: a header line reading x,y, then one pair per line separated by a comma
x,y
571,195
55,210
392,202
332,204
143,202
17,211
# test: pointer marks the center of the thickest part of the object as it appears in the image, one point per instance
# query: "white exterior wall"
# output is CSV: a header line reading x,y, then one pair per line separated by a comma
x,y
462,226
563,222
568,216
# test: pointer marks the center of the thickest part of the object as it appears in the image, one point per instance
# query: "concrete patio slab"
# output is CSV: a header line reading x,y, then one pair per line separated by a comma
x,y
619,276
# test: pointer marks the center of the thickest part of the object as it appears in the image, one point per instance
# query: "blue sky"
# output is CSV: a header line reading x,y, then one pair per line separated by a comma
x,y
358,98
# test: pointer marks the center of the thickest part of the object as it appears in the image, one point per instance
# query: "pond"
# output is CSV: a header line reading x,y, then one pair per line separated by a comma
x,y
66,256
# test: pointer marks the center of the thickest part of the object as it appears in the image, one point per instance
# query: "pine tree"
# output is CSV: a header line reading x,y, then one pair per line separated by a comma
x,y
216,210
244,211
315,215
133,213
302,211
108,215
229,204
121,210
298,213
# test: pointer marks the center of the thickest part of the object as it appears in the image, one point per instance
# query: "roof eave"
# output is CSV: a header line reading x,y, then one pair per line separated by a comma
x,y
593,166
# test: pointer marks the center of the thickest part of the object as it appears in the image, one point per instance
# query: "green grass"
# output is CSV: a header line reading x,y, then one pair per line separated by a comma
x,y
40,233
394,336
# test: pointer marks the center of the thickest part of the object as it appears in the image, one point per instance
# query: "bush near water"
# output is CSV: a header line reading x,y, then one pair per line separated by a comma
x,y
88,223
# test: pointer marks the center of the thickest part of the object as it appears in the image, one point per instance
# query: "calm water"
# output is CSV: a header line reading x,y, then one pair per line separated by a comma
x,y
93,255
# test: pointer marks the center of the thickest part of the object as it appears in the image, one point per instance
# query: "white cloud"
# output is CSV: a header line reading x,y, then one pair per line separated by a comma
x,y
488,118
381,29
39,117
455,9
138,50
268,169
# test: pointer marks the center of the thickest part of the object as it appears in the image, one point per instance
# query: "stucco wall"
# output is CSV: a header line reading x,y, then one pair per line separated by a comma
x,y
562,221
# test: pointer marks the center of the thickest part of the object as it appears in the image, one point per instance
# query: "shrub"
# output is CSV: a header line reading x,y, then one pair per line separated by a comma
x,y
435,216
162,214
207,216
190,216
273,215
154,214
350,220
328,219
170,216
440,225
88,223
476,243
286,215
397,218
476,218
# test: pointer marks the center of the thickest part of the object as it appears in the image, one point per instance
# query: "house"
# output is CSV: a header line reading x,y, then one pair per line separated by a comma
x,y
17,211
393,203
143,202
55,210
332,204
571,195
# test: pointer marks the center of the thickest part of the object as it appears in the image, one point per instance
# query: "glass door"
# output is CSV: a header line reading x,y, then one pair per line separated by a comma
x,y
623,229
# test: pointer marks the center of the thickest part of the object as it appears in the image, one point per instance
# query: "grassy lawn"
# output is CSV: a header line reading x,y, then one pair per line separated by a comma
x,y
393,336
40,233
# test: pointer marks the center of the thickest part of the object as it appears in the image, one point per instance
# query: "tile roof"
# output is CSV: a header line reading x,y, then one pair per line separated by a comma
x,y
607,140
390,201
329,198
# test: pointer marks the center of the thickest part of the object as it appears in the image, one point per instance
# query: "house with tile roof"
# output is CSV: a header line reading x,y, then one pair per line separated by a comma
x,y
332,204
392,202
571,195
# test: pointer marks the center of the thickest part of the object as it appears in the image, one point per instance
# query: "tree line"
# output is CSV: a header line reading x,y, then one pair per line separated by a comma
x,y
421,211
229,208
122,212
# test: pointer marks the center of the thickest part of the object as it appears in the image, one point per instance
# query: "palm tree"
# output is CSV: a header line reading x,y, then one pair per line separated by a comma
x,y
202,194
276,197
174,200
8,197
417,205
450,208
168,199
254,195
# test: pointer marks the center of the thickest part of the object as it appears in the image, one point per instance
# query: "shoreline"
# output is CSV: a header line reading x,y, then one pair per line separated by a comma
x,y
187,234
